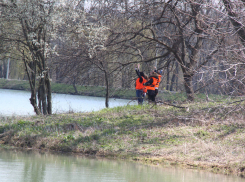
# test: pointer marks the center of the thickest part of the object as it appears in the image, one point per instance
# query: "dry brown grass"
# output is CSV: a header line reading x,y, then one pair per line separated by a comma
x,y
205,137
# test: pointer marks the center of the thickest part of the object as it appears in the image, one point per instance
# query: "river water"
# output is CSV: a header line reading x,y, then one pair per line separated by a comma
x,y
16,166
16,102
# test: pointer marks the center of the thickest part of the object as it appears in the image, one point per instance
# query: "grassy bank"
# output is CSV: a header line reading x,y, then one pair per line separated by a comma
x,y
209,136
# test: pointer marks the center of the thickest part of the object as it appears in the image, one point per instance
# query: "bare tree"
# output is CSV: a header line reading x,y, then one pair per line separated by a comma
x,y
84,36
236,14
175,29
33,18
232,57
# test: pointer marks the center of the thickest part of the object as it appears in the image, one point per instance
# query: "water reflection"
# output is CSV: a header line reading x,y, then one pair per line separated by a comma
x,y
45,167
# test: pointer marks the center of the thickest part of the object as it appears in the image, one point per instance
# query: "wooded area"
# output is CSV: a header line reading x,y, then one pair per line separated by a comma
x,y
199,44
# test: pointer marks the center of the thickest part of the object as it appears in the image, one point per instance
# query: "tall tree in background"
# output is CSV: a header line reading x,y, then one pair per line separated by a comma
x,y
32,20
236,12
99,43
228,68
176,29
84,36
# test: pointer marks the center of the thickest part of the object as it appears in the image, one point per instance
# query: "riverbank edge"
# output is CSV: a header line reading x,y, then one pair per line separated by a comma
x,y
162,162
134,123
215,167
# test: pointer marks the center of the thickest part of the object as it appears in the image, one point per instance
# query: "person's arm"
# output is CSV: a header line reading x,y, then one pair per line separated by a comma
x,y
149,82
138,73
155,70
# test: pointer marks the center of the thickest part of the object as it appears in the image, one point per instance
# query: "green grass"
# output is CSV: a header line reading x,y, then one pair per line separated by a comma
x,y
209,134
14,84
136,132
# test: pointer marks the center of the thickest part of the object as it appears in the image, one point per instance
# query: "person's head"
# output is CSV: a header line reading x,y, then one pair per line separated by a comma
x,y
154,74
160,72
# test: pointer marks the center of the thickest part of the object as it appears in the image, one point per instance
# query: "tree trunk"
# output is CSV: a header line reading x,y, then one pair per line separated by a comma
x,y
4,69
7,73
32,81
239,27
43,96
188,87
177,75
33,101
1,70
107,90
49,94
167,87
172,82
39,99
174,78
74,85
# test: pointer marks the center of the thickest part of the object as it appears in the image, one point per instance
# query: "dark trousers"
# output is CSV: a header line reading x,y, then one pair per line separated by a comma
x,y
156,91
140,97
151,95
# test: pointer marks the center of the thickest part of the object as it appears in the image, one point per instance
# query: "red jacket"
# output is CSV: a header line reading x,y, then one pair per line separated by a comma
x,y
138,85
151,84
158,81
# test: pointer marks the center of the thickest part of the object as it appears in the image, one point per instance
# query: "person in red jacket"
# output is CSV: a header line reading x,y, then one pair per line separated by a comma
x,y
150,85
140,88
159,79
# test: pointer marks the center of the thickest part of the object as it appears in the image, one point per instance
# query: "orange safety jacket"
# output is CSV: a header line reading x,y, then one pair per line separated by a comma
x,y
144,89
152,86
138,85
158,81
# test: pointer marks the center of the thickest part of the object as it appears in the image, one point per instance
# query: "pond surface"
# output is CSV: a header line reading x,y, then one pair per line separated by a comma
x,y
16,102
16,166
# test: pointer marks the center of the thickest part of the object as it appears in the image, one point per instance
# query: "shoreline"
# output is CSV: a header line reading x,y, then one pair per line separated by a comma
x,y
204,138
130,133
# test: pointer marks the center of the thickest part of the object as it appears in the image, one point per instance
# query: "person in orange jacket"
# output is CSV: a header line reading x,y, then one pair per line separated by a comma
x,y
150,85
159,79
140,88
